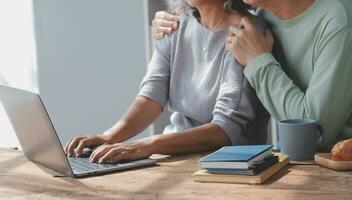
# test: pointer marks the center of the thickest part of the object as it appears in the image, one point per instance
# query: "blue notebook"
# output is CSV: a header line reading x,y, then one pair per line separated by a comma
x,y
236,157
254,170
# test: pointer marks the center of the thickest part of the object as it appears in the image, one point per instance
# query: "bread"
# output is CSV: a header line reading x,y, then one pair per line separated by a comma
x,y
342,151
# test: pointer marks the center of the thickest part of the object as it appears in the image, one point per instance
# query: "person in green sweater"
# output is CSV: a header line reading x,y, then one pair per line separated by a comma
x,y
307,71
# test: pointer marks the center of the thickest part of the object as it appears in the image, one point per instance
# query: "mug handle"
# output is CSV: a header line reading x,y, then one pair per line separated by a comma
x,y
320,133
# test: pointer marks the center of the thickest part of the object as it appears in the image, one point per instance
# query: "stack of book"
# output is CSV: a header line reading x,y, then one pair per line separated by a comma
x,y
241,164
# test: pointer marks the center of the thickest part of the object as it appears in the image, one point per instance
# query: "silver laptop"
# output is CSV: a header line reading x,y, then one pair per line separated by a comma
x,y
39,140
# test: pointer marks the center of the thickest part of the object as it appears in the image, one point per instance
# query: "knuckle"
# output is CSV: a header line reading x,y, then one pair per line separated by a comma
x,y
115,150
127,151
75,140
163,22
161,14
83,142
159,23
106,151
104,148
157,14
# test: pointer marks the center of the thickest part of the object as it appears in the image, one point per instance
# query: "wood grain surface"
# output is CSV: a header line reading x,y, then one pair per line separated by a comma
x,y
170,179
325,160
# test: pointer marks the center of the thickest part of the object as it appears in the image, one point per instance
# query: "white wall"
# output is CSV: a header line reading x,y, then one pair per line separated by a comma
x,y
91,59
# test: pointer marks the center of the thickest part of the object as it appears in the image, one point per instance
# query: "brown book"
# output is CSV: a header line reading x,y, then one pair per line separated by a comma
x,y
205,177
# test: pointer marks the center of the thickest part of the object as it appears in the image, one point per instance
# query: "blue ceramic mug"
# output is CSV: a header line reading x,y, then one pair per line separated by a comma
x,y
299,137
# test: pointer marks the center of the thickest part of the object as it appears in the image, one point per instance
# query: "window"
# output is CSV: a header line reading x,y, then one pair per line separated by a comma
x,y
17,55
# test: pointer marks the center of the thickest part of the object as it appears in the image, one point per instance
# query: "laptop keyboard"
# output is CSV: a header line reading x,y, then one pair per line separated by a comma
x,y
83,165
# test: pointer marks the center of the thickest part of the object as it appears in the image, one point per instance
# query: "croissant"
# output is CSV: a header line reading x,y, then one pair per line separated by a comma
x,y
342,151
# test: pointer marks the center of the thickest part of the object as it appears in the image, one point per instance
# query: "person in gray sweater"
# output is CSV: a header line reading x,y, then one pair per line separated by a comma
x,y
211,102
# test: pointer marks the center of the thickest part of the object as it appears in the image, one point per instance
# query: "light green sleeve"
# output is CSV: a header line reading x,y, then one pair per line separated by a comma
x,y
328,98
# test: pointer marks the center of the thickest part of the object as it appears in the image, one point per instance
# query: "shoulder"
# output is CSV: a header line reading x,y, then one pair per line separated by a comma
x,y
185,21
337,14
328,17
333,18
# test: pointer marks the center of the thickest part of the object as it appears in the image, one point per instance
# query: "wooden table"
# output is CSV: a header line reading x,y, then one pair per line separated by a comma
x,y
170,179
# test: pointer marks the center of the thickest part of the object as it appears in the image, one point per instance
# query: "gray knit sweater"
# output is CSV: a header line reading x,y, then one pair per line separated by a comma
x,y
203,83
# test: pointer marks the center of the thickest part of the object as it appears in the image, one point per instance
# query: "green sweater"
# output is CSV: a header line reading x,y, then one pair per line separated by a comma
x,y
310,74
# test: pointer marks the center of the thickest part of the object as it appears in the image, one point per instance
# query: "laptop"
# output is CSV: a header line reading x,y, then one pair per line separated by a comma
x,y
40,142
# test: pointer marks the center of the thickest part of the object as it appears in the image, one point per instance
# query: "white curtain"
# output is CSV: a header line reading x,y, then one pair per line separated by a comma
x,y
17,55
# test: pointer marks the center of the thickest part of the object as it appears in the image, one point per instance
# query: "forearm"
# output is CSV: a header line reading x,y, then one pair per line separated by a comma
x,y
203,138
139,116
284,100
280,96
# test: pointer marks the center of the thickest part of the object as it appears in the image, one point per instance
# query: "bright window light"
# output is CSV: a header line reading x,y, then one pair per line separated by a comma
x,y
17,44
17,56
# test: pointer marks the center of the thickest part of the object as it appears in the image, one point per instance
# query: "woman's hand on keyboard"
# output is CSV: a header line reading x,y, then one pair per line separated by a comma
x,y
76,145
112,153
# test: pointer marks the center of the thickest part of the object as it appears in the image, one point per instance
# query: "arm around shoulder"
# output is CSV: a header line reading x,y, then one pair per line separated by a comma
x,y
327,98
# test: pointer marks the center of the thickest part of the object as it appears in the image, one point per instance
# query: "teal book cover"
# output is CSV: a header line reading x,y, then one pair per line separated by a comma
x,y
237,153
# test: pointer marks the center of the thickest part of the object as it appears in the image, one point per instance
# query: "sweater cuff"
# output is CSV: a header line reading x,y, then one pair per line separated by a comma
x,y
157,94
254,65
231,129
